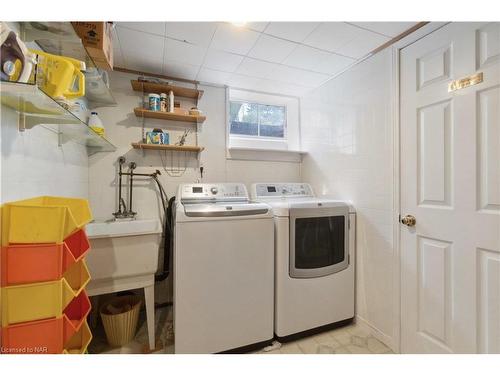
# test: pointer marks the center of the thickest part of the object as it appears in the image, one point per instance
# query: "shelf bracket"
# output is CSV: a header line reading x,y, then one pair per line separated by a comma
x,y
21,122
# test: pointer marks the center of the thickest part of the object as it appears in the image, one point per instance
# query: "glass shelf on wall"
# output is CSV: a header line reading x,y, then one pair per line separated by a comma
x,y
59,38
37,108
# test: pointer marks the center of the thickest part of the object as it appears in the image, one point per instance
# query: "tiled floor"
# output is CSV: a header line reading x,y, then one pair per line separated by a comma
x,y
352,339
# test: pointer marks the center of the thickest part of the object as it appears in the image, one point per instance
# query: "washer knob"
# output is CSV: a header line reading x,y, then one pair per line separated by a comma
x,y
214,190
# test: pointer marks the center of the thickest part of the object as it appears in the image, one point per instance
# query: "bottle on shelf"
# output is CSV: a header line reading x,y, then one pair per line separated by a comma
x,y
171,101
95,123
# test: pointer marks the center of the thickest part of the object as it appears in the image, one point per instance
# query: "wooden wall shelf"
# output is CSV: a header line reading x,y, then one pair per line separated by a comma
x,y
158,88
141,112
144,146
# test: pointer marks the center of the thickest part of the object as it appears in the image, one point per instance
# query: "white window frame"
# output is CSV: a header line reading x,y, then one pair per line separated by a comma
x,y
291,141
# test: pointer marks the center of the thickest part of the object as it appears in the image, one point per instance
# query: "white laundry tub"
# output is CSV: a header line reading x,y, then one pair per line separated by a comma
x,y
124,256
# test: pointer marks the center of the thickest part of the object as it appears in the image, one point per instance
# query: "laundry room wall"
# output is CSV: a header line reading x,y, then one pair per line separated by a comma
x,y
33,163
347,132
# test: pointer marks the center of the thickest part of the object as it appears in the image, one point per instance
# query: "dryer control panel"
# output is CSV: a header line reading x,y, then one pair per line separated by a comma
x,y
289,190
199,193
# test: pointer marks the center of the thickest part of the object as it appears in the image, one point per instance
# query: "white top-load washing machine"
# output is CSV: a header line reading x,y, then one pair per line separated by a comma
x,y
315,250
223,269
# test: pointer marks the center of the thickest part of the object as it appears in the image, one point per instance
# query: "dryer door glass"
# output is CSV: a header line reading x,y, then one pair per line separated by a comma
x,y
319,245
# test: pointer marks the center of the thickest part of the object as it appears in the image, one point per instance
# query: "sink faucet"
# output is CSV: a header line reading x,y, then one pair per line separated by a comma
x,y
122,212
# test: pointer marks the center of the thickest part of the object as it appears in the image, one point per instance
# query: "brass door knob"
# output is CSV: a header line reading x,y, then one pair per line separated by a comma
x,y
409,220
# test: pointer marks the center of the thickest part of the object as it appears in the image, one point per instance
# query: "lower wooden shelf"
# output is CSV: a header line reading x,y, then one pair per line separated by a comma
x,y
145,146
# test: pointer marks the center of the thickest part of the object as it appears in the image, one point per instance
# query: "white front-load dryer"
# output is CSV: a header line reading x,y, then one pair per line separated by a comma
x,y
315,257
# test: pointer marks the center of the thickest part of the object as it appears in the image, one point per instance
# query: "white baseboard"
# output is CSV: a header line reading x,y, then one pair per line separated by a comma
x,y
379,335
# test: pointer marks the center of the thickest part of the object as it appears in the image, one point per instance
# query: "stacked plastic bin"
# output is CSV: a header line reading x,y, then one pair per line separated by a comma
x,y
43,303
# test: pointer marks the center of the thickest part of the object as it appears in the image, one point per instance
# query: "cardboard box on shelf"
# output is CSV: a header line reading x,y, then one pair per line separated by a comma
x,y
97,39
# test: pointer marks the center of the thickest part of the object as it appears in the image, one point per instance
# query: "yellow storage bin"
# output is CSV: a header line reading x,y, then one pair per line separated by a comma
x,y
23,303
43,219
80,341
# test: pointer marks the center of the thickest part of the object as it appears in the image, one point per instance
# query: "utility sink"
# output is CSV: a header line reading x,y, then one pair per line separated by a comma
x,y
124,256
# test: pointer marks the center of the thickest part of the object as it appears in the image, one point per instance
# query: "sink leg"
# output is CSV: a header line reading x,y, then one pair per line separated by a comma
x,y
149,295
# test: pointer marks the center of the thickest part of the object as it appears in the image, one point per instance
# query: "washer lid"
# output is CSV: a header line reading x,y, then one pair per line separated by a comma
x,y
225,209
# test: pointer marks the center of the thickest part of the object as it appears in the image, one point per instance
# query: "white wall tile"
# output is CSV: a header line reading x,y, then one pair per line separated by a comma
x,y
294,31
271,49
234,39
347,131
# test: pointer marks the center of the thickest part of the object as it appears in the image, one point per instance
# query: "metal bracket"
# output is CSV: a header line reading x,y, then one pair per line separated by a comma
x,y
21,122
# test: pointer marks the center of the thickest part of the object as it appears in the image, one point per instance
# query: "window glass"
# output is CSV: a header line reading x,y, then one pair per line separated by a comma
x,y
257,120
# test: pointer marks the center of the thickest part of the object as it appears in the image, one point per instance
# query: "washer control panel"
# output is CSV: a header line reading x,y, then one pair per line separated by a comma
x,y
263,190
212,192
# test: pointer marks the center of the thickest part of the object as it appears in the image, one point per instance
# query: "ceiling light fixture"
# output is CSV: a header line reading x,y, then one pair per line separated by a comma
x,y
239,24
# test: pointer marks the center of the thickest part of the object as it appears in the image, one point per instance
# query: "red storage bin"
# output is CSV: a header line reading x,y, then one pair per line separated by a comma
x,y
33,263
47,335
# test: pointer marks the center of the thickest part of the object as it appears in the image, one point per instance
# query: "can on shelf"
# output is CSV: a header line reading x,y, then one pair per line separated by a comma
x,y
154,102
163,102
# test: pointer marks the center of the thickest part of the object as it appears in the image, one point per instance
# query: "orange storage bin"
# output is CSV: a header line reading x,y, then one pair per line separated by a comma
x,y
48,335
26,264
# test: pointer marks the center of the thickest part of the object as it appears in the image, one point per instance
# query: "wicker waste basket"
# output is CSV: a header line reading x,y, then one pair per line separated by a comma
x,y
120,317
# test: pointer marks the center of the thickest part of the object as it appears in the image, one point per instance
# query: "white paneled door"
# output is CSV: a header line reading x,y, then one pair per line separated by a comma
x,y
450,183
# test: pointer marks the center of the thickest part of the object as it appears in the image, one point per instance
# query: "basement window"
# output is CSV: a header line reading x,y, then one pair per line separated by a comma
x,y
259,121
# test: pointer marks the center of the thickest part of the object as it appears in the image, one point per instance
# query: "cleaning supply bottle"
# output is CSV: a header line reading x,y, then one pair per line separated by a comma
x,y
171,101
95,124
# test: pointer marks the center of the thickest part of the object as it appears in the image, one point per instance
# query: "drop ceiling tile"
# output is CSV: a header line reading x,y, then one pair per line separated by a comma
x,y
135,62
223,61
141,51
157,28
245,82
257,26
284,88
271,49
213,76
175,69
184,52
391,29
331,36
295,31
234,39
309,58
363,44
256,68
296,76
193,32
